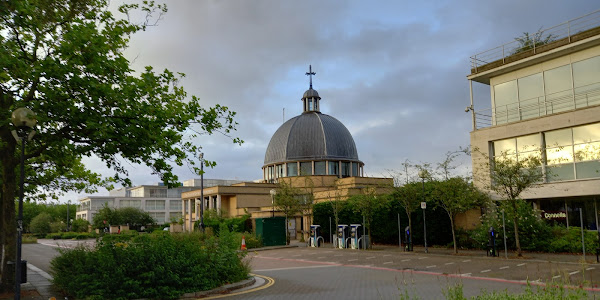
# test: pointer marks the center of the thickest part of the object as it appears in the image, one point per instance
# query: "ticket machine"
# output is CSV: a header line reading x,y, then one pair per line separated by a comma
x,y
355,235
342,235
315,236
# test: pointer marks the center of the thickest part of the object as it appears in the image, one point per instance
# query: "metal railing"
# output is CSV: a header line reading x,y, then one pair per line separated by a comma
x,y
560,32
545,105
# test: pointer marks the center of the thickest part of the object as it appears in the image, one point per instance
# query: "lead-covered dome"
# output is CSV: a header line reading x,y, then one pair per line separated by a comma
x,y
311,144
311,136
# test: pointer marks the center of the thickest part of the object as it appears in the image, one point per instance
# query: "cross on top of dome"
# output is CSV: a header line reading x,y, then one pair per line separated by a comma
x,y
311,98
310,74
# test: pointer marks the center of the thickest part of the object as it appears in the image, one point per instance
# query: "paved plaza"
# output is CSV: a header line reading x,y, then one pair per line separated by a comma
x,y
387,272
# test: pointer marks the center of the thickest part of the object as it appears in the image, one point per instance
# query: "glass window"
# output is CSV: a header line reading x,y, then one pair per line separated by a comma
x,y
157,193
174,216
159,217
131,203
588,169
561,137
589,151
292,169
558,80
333,168
305,168
586,134
531,87
354,169
320,168
528,143
175,205
505,93
586,72
559,89
531,95
345,169
505,148
279,171
560,172
155,204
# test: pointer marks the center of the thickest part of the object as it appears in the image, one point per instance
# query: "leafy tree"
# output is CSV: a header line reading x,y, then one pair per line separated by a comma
x,y
288,200
456,195
64,60
409,196
529,41
40,225
121,216
80,225
509,178
367,204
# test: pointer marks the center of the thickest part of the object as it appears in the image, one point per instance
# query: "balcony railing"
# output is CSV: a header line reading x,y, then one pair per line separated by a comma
x,y
561,34
536,107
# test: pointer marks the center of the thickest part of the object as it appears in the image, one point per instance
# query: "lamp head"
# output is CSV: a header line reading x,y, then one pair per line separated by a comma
x,y
23,117
201,155
273,192
423,174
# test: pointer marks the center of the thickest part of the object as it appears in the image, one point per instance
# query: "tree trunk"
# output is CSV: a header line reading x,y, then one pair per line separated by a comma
x,y
8,223
453,234
516,228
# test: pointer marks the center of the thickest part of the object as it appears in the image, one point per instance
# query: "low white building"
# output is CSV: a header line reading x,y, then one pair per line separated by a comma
x,y
163,203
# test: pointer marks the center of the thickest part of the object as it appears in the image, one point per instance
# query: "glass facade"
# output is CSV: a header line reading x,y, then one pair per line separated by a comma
x,y
131,203
308,168
175,205
570,153
552,91
334,168
155,204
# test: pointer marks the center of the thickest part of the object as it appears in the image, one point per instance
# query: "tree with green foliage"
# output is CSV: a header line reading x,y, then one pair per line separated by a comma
x,y
456,195
80,225
410,197
64,60
529,41
121,216
290,201
367,203
509,178
40,225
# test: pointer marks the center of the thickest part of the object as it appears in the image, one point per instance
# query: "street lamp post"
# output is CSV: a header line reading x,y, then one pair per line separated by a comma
x,y
24,120
273,193
423,174
68,204
201,192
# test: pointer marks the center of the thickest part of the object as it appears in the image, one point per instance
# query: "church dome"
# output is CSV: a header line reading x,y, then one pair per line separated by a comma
x,y
311,136
311,144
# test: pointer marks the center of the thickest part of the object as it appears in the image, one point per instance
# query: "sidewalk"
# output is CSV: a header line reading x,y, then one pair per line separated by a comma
x,y
38,286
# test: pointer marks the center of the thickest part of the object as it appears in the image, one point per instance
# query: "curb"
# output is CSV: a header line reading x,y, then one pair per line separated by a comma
x,y
221,290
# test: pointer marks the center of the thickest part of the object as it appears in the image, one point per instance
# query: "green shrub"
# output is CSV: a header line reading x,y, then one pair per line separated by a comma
x,y
68,235
172,265
569,240
29,239
40,225
534,233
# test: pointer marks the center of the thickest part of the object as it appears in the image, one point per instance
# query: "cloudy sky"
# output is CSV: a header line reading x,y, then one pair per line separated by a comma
x,y
394,72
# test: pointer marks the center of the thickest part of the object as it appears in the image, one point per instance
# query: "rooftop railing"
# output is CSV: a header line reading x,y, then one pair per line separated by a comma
x,y
541,41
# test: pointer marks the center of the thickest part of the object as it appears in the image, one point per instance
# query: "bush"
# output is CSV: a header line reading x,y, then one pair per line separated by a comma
x,y
80,225
40,225
569,240
172,265
534,233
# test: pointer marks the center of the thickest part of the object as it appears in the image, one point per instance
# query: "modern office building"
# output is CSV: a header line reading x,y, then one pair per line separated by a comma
x,y
545,101
161,202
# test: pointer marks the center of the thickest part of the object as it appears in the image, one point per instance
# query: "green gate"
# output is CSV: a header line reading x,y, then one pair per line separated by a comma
x,y
271,230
